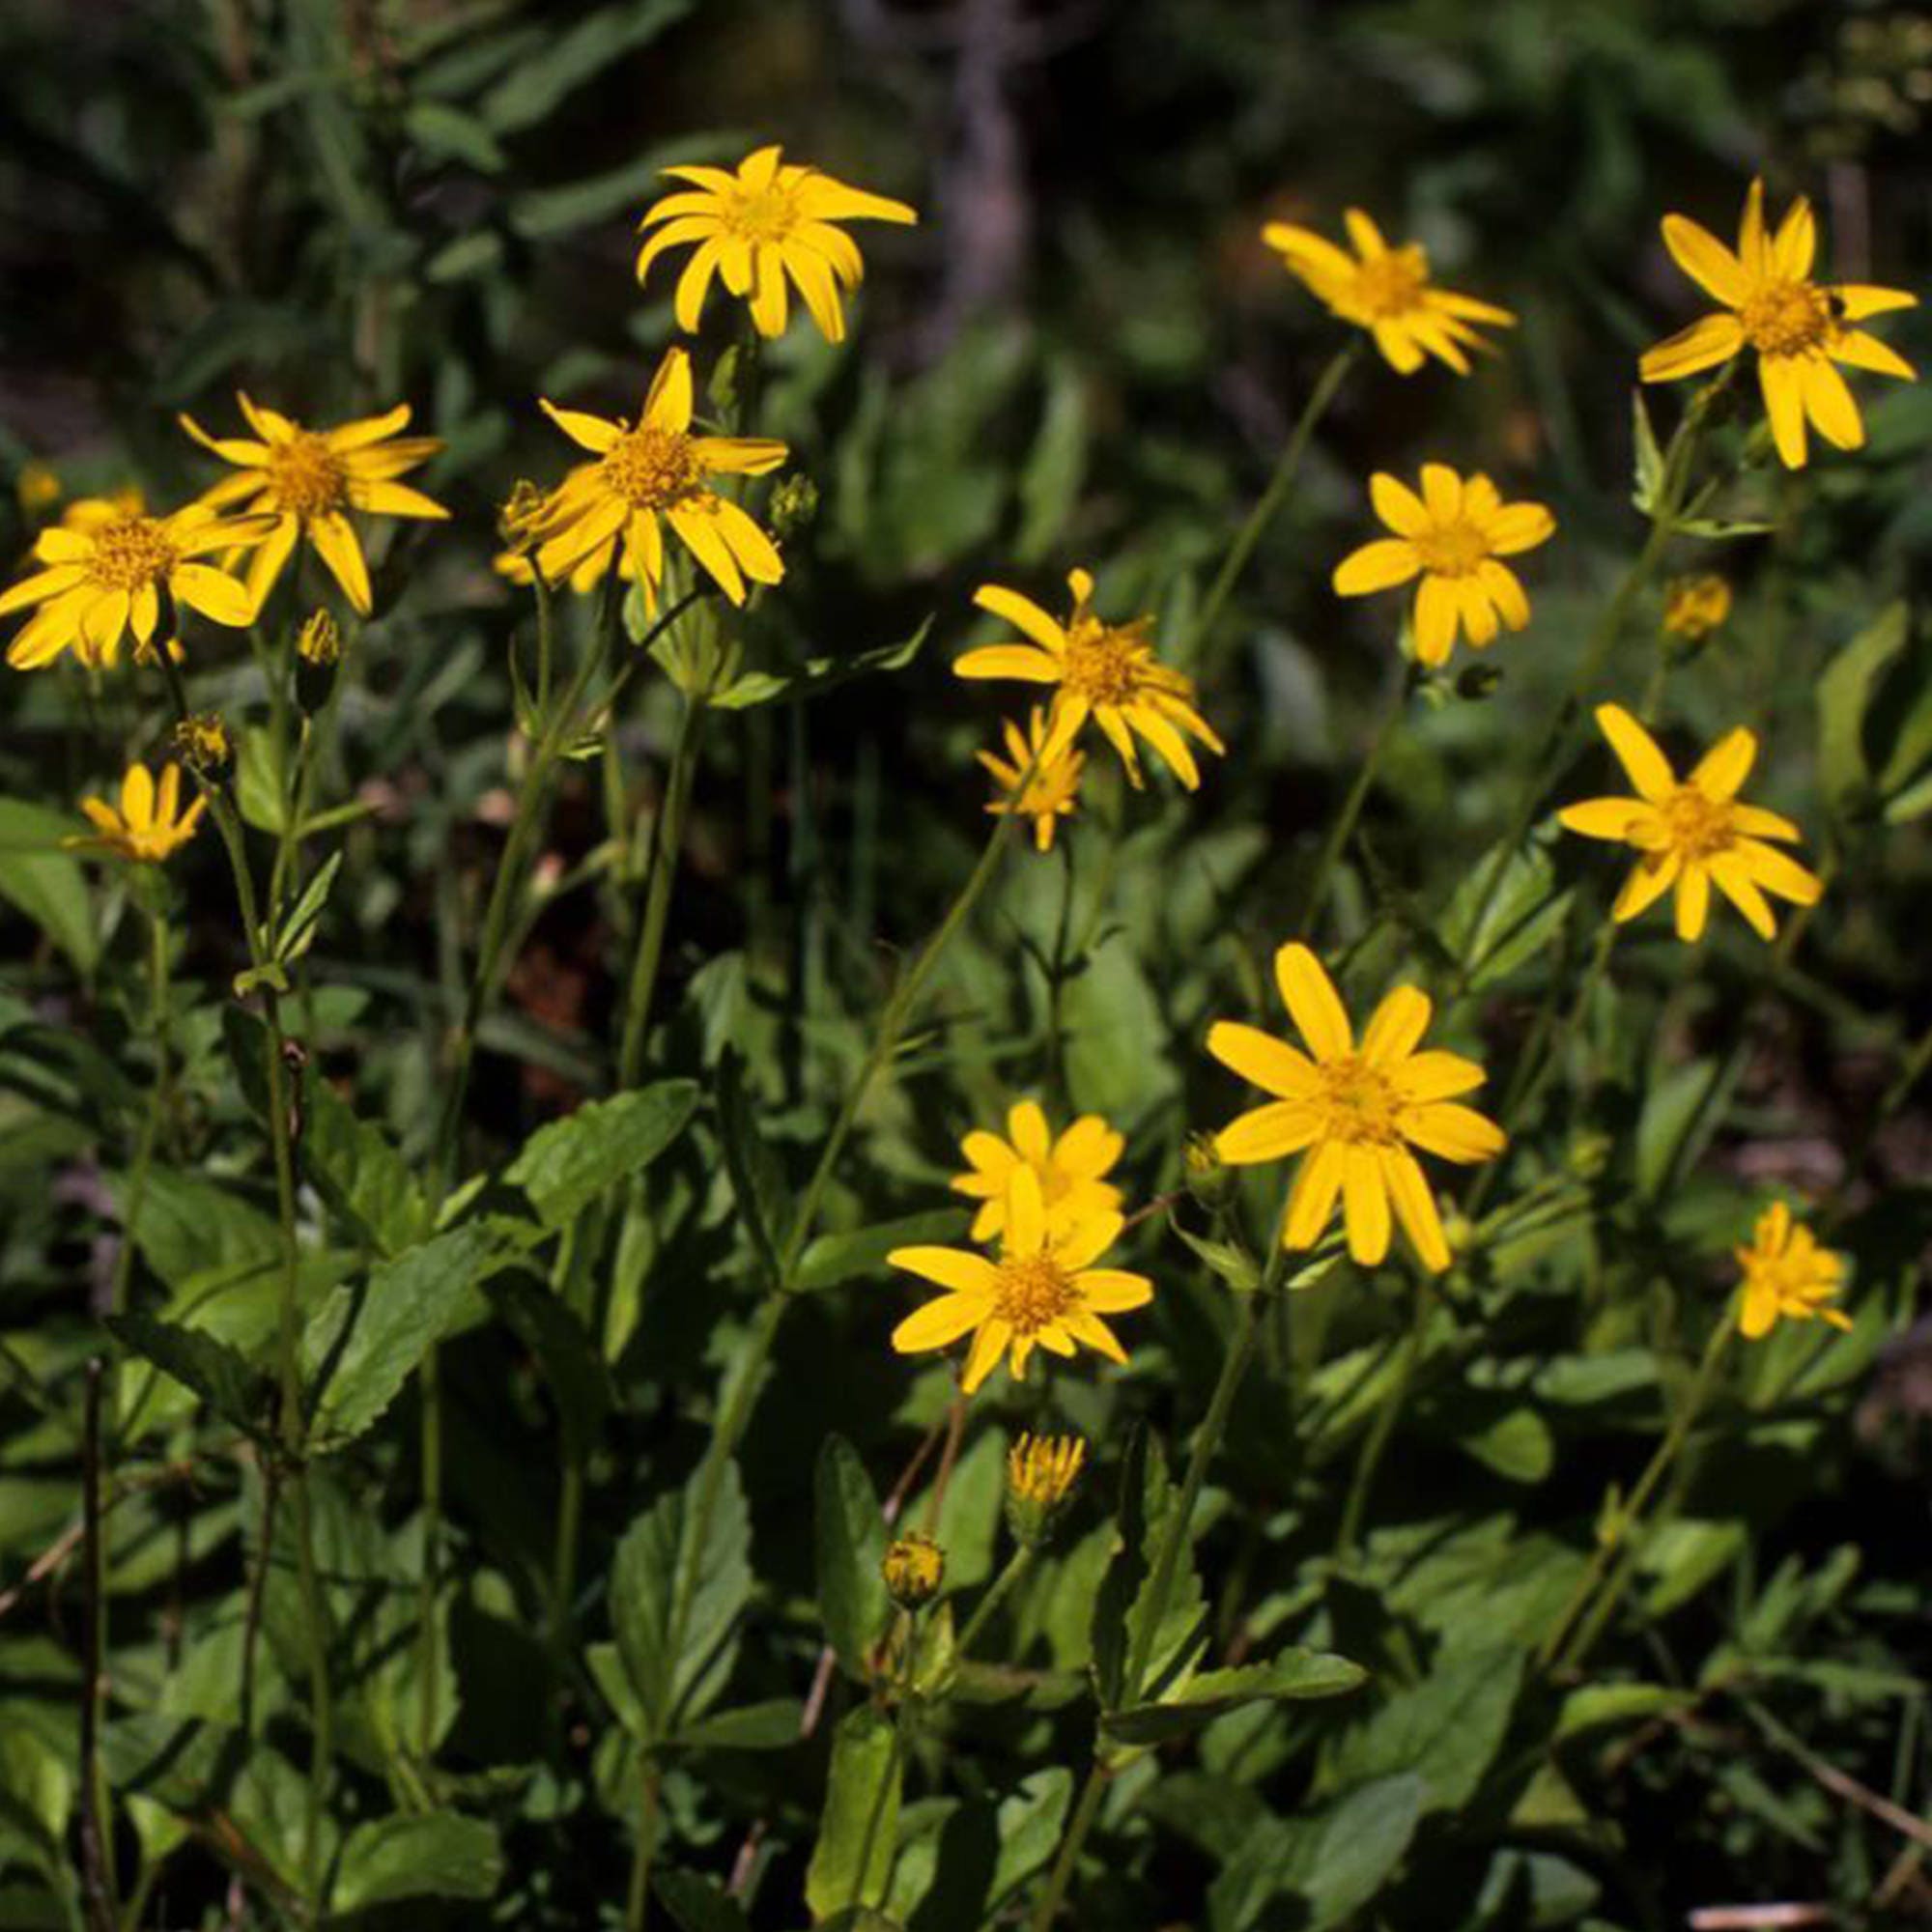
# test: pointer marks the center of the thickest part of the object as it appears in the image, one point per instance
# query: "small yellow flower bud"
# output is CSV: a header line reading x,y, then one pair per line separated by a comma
x,y
794,505
1040,1473
37,487
914,1567
519,521
319,640
1209,1178
203,742
1694,606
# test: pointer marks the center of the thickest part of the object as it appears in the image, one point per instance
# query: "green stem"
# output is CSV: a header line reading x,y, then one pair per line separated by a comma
x,y
1085,1812
997,1592
1268,505
1339,832
637,1900
1348,1538
1558,1647
666,843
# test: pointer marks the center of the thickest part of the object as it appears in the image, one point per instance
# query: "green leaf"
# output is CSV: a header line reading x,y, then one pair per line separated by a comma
x,y
220,1374
661,1563
818,674
552,1332
1227,1259
436,1854
261,781
1672,1110
43,881
566,1166
541,214
1292,1675
833,1259
365,1341
566,61
194,1233
446,134
757,1185
356,1171
1649,477
298,933
849,1539
852,1861
1845,691
1365,1838
697,1905
773,1725
1446,1729
1525,914
1055,467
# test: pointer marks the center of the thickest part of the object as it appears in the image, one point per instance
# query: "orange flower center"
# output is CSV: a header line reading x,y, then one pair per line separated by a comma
x,y
306,477
1787,318
1392,284
1452,550
129,551
651,468
1700,827
1101,663
768,214
1032,1292
1361,1104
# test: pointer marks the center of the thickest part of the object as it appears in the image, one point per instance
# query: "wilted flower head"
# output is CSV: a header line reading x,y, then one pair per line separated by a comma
x,y
1694,606
202,739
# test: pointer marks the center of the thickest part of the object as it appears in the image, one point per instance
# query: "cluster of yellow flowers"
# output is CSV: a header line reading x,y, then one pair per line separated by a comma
x,y
1356,1113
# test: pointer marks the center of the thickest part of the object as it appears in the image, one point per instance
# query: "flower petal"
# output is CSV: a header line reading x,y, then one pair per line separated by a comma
x,y
1312,1001
1648,769
1376,566
1312,1199
954,1268
1397,1026
1706,342
1271,1132
1706,260
1365,1205
1415,1207
1455,1132
1261,1058
939,1322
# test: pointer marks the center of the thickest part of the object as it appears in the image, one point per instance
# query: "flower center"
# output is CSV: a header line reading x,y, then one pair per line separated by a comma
x,y
651,468
1392,284
1361,1105
1452,550
1101,664
129,552
768,216
1699,826
306,476
1787,318
1032,1291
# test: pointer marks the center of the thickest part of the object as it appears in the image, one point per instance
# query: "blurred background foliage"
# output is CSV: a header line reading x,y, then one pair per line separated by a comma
x,y
1082,355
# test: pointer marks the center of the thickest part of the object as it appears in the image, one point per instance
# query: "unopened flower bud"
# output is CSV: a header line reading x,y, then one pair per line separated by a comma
x,y
520,517
320,640
794,507
914,1567
202,742
1210,1181
1040,1473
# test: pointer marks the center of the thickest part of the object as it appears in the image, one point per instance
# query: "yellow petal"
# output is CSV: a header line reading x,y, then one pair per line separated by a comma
x,y
1455,1132
1269,1133
938,1322
1365,1205
1396,1026
1312,1199
954,1269
1648,769
1706,260
1706,343
1376,566
1311,1001
1260,1057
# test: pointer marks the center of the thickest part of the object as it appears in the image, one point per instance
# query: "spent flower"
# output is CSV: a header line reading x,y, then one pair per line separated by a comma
x,y
1353,1111
914,1566
1694,606
203,741
318,642
1694,833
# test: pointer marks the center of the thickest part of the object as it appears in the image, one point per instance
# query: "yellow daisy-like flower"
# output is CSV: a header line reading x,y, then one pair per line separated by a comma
x,y
1353,1111
309,480
1388,291
1104,672
651,469
1043,1292
1694,606
148,824
1451,537
1693,835
1787,1275
768,222
1071,1170
1797,325
105,569
1053,788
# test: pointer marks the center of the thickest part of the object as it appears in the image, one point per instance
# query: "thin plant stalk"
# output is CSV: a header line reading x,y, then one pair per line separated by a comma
x,y
1268,505
1348,1538
1337,840
995,1594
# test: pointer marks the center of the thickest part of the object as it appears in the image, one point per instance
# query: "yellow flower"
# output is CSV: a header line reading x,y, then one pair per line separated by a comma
x,y
1356,1110
1043,1292
1451,537
1694,606
1693,835
1041,1469
149,823
913,1567
1386,291
1071,1171
651,469
758,226
1797,325
1053,789
309,480
1787,1274
105,569
1104,672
